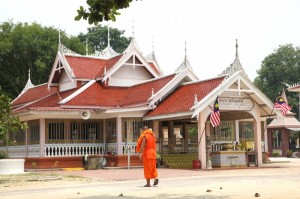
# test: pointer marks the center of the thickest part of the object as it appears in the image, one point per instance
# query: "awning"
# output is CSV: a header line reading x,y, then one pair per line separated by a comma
x,y
285,122
294,129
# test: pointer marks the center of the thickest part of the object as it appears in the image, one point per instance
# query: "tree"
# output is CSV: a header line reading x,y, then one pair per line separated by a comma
x,y
99,10
97,38
8,122
29,46
26,46
278,68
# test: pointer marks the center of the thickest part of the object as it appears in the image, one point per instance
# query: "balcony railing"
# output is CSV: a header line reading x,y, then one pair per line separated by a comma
x,y
164,145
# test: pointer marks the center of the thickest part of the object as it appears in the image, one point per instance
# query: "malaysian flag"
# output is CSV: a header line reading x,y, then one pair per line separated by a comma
x,y
215,114
281,104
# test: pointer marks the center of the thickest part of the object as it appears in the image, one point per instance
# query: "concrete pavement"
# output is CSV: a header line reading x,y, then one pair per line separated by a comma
x,y
278,179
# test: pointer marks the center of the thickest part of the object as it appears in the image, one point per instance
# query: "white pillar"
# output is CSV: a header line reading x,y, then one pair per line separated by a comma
x,y
237,131
257,140
42,137
201,140
266,136
119,136
257,133
104,132
26,139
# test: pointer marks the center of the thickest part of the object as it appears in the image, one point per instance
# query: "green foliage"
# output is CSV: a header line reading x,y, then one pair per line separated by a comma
x,y
278,68
99,10
3,154
25,47
30,46
8,122
98,38
193,132
275,154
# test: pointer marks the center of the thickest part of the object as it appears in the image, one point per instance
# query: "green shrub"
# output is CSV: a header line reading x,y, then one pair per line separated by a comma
x,y
275,154
3,154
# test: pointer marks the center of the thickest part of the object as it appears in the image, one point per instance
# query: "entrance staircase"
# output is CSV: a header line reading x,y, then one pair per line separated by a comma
x,y
179,161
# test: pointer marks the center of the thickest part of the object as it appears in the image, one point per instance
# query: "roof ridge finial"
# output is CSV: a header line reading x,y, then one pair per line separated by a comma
x,y
185,55
29,84
108,36
59,42
185,64
195,99
133,28
86,47
236,48
236,65
29,74
152,43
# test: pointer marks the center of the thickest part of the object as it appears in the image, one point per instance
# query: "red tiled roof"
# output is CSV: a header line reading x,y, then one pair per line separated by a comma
x,y
100,95
51,100
182,99
34,93
90,68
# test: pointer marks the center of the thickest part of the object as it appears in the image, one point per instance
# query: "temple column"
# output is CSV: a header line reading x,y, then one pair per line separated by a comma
x,y
27,136
237,131
42,137
265,136
119,136
156,132
257,134
202,140
156,128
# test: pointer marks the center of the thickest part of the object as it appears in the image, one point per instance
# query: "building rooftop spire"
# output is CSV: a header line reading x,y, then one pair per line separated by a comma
x,y
133,44
152,58
236,65
29,84
107,52
185,64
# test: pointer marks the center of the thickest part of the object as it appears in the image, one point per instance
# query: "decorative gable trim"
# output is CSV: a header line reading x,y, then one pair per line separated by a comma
x,y
60,63
173,84
225,86
73,95
126,56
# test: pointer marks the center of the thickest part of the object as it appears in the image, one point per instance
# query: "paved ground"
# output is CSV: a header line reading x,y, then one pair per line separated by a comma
x,y
279,179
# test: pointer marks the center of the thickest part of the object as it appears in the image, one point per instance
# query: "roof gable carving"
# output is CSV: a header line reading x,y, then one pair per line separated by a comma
x,y
235,66
237,85
59,65
133,53
185,65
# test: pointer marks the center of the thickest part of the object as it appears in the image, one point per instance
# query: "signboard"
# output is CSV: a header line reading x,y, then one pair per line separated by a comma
x,y
232,103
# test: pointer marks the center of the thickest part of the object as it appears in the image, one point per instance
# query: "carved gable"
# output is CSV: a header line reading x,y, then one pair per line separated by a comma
x,y
133,71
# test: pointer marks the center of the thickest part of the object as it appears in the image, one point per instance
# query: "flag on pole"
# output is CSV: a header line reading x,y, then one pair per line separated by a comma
x,y
215,114
281,104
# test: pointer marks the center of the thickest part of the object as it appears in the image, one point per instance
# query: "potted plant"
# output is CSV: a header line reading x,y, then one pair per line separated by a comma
x,y
193,135
8,123
289,153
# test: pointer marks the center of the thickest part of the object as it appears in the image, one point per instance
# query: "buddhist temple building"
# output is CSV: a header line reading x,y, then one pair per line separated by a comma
x,y
97,104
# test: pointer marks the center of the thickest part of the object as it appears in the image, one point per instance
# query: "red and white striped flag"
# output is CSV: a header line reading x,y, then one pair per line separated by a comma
x,y
281,104
215,114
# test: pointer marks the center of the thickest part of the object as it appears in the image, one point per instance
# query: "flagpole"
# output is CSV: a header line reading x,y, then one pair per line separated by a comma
x,y
266,120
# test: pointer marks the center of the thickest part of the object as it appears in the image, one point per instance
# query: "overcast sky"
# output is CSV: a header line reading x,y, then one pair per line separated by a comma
x,y
209,27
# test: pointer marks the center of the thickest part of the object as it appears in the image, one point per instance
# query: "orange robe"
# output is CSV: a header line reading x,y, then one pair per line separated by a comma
x,y
149,153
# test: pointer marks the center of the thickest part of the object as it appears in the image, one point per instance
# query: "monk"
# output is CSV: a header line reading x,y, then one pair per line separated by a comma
x,y
146,146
